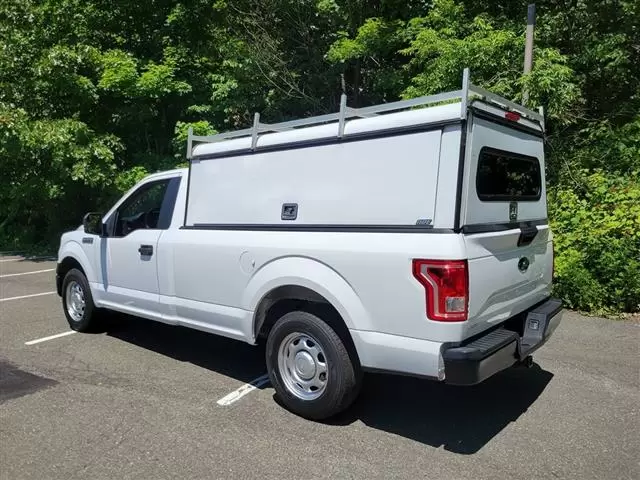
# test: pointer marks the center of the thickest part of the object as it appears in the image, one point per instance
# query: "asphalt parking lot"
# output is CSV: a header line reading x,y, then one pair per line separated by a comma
x,y
141,400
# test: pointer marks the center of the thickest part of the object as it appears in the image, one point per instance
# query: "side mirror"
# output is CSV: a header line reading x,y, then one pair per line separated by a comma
x,y
92,223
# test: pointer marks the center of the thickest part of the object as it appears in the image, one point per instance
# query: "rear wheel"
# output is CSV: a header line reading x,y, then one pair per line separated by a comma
x,y
77,301
310,367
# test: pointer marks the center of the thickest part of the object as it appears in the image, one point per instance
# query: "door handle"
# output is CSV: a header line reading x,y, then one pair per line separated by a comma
x,y
146,250
527,234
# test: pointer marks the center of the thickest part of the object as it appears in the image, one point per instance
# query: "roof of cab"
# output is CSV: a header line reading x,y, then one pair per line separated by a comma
x,y
168,173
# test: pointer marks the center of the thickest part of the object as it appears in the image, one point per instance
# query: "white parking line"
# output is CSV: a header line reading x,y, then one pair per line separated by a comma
x,y
26,296
11,260
52,337
27,273
244,390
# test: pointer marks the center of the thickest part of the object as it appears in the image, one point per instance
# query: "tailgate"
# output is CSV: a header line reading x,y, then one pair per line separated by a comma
x,y
504,222
505,279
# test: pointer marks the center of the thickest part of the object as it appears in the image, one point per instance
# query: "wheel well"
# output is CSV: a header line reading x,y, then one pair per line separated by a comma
x,y
67,264
288,298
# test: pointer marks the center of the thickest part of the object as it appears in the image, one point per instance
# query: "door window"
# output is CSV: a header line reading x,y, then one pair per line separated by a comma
x,y
142,209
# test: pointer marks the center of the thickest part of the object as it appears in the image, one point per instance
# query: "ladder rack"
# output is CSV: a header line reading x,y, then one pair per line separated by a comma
x,y
467,93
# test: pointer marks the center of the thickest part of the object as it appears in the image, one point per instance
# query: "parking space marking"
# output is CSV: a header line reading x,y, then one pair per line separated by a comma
x,y
52,337
27,273
26,296
243,390
11,260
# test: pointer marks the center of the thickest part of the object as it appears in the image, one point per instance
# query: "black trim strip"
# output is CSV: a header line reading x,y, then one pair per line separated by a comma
x,y
186,202
398,373
389,132
169,203
463,147
277,227
503,121
501,227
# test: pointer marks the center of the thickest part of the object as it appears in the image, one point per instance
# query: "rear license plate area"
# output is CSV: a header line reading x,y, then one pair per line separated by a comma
x,y
538,324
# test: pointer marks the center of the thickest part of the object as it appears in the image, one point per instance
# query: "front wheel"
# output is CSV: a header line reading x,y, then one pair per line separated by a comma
x,y
310,367
77,301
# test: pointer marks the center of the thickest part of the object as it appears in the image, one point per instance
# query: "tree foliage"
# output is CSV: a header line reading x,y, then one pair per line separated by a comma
x,y
94,94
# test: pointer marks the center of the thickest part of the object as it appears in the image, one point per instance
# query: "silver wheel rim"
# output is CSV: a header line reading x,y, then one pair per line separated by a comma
x,y
303,366
75,301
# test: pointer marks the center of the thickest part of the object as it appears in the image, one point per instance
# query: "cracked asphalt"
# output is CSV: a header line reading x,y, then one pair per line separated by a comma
x,y
138,401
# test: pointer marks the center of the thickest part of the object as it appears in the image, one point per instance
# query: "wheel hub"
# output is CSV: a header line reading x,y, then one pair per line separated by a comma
x,y
75,301
305,365
302,364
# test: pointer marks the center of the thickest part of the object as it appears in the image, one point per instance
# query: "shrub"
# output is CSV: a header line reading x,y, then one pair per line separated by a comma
x,y
596,223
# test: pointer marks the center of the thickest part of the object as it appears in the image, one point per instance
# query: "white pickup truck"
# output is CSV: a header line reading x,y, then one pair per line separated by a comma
x,y
389,238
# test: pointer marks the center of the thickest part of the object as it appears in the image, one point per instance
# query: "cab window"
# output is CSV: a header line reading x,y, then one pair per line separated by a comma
x,y
142,209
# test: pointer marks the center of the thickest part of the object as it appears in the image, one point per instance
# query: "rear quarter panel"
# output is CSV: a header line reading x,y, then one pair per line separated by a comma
x,y
367,275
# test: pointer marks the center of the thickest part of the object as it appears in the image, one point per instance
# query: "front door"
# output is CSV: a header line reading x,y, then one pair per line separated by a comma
x,y
130,253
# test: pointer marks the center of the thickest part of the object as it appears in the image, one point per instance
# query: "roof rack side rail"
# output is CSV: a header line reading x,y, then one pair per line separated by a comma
x,y
466,93
344,114
489,97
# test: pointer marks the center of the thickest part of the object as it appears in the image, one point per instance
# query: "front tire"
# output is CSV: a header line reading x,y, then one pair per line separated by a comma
x,y
78,303
310,368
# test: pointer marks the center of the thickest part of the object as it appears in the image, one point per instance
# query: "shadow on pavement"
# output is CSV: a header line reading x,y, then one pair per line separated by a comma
x,y
228,357
460,419
15,382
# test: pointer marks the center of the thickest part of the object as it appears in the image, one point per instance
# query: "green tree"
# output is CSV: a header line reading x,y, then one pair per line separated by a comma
x,y
94,94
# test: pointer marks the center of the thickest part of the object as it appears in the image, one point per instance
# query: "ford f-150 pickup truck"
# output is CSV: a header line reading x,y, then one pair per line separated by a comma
x,y
389,238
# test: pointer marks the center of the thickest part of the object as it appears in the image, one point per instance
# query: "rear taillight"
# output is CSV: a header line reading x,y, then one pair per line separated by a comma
x,y
447,288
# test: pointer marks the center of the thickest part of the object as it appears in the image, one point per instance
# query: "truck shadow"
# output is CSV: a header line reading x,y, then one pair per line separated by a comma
x,y
459,419
228,357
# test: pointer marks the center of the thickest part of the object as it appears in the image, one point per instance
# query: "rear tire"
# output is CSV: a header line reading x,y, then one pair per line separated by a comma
x,y
78,303
310,368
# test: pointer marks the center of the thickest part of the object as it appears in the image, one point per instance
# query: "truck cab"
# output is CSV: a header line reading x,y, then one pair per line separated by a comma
x,y
388,238
120,254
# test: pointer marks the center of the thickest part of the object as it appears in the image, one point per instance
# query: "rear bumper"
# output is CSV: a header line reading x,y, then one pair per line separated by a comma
x,y
481,357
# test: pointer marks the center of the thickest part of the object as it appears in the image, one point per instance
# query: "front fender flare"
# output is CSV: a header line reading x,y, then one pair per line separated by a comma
x,y
73,250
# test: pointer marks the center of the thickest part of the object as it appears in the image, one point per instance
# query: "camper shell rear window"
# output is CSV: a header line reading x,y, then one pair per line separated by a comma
x,y
507,176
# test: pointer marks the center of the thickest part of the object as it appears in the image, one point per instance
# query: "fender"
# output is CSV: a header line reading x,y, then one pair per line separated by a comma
x,y
73,249
314,275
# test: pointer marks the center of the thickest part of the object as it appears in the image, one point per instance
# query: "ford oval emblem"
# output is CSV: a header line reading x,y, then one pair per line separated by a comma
x,y
523,264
